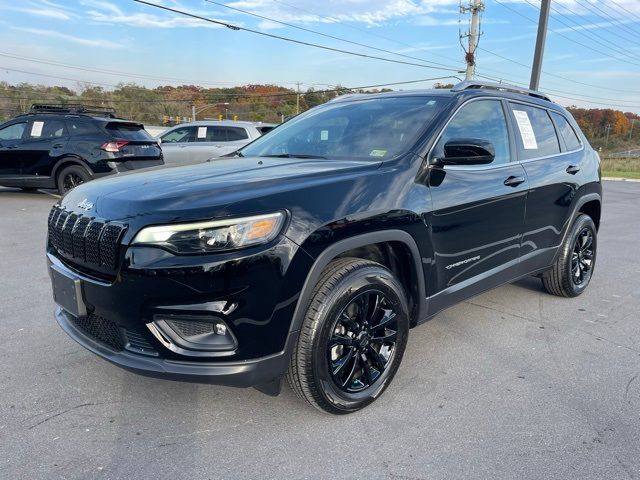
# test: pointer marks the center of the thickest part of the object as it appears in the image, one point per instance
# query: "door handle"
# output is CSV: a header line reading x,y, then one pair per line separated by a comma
x,y
58,145
513,181
573,169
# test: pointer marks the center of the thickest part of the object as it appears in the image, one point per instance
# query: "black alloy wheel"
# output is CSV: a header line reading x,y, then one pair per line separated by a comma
x,y
573,267
70,177
363,341
352,338
582,257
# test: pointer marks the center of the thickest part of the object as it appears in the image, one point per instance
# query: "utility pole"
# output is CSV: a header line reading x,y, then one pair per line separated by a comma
x,y
298,99
608,128
539,53
633,120
193,113
475,7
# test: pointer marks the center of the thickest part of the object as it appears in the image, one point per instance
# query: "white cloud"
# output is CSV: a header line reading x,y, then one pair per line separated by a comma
x,y
70,38
42,8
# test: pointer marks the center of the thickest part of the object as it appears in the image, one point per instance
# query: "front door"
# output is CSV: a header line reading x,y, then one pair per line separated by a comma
x,y
478,210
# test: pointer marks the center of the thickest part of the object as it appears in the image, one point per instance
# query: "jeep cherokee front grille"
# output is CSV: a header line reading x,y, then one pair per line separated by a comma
x,y
86,241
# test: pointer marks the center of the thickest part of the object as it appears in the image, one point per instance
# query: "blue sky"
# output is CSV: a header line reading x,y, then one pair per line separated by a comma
x,y
142,44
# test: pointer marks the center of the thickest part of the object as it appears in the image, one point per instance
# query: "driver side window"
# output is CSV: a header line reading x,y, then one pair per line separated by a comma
x,y
482,120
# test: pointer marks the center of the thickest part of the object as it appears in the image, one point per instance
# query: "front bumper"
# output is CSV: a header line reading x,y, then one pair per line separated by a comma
x,y
243,373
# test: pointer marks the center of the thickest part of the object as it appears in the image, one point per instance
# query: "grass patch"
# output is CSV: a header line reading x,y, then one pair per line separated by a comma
x,y
621,167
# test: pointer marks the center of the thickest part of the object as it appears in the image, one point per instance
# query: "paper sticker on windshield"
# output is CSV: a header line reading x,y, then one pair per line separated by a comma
x,y
378,153
202,132
324,134
36,129
526,130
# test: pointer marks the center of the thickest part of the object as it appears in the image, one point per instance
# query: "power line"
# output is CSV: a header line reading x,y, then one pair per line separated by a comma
x,y
630,33
241,95
292,40
315,32
593,36
621,7
109,72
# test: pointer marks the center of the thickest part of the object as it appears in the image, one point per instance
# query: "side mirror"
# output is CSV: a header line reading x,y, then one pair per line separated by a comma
x,y
467,151
159,139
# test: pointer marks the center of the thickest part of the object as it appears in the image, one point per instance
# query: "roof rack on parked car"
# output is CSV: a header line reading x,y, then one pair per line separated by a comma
x,y
504,87
73,108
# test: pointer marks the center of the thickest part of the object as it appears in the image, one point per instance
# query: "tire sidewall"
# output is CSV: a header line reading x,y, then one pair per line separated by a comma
x,y
366,279
582,222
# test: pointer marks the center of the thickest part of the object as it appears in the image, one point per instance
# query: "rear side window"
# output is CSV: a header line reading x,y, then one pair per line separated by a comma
x,y
567,132
482,120
236,133
46,128
128,131
535,133
180,135
13,132
215,134
78,127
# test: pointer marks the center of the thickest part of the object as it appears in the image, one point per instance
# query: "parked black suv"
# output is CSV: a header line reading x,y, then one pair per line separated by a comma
x,y
312,253
62,146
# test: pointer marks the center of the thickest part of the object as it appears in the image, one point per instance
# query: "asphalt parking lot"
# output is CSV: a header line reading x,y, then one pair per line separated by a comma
x,y
512,384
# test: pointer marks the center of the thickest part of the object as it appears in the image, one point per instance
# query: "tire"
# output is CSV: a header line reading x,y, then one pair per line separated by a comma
x,y
70,177
572,271
366,353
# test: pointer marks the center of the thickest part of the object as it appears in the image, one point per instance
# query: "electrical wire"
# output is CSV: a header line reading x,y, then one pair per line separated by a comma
x,y
292,40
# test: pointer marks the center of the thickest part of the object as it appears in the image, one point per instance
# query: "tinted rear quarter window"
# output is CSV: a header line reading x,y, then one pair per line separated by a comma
x,y
236,133
13,132
128,131
568,134
81,127
535,133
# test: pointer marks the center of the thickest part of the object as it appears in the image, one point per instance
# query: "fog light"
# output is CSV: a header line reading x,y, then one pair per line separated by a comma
x,y
194,335
220,329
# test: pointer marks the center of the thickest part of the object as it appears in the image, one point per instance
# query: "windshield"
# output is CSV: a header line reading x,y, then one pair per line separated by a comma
x,y
376,129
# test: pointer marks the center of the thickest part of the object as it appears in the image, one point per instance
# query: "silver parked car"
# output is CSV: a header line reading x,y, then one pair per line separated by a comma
x,y
199,141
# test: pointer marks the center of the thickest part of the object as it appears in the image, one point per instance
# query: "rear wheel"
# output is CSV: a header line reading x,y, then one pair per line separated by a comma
x,y
70,177
353,337
573,268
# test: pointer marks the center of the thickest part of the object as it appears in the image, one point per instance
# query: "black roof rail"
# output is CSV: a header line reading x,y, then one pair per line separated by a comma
x,y
504,87
72,108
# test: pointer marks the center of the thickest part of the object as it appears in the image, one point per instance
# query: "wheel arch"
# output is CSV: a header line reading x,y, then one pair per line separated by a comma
x,y
68,161
390,246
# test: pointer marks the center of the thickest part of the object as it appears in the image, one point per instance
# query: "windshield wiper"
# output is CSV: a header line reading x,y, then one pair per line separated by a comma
x,y
293,155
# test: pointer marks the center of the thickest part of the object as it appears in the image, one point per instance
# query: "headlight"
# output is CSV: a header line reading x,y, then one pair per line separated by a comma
x,y
214,235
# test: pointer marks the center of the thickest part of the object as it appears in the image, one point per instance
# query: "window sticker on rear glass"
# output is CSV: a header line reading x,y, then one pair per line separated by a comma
x,y
202,132
526,130
36,129
378,153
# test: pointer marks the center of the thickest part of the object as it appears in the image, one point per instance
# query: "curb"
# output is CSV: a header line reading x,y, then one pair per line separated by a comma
x,y
621,179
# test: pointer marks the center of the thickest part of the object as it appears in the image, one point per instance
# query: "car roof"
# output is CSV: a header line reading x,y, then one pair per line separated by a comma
x,y
225,123
465,89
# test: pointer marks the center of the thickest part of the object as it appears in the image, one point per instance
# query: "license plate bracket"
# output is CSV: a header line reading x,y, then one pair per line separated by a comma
x,y
67,292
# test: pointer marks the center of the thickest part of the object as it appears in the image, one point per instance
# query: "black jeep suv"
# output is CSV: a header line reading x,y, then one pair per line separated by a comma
x,y
62,146
313,252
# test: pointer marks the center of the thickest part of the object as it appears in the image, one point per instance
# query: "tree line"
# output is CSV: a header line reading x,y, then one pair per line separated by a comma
x,y
607,129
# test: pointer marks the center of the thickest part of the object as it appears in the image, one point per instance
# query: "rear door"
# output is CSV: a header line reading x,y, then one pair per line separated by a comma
x,y
553,172
10,139
45,140
478,210
230,140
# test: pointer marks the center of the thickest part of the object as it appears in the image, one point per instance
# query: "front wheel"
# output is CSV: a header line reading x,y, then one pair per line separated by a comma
x,y
352,339
573,268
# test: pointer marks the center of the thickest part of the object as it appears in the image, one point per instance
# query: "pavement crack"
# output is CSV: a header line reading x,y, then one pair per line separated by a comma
x,y
626,390
51,417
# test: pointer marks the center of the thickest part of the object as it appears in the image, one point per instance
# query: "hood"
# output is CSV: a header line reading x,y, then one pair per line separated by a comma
x,y
176,190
